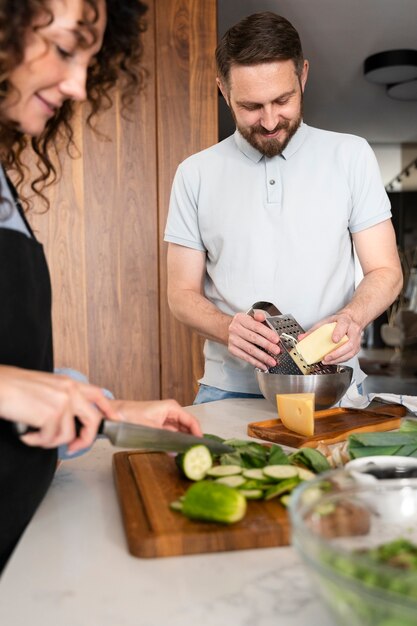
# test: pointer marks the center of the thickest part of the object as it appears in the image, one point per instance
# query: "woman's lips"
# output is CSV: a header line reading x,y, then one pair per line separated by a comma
x,y
48,106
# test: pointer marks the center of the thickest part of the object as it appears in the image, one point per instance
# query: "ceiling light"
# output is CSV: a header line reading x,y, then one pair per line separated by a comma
x,y
403,91
391,66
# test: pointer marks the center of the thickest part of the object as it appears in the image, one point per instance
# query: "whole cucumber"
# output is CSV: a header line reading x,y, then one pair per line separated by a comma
x,y
214,502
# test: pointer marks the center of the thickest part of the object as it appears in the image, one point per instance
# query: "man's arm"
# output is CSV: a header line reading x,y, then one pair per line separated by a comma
x,y
377,253
241,333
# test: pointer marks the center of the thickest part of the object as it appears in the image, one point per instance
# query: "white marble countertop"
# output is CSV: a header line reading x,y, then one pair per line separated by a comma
x,y
72,566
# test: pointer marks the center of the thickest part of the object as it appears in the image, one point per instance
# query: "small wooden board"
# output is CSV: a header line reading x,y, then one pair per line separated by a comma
x,y
146,483
331,426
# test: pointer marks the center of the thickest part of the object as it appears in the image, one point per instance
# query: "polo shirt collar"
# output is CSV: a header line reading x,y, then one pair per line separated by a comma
x,y
254,155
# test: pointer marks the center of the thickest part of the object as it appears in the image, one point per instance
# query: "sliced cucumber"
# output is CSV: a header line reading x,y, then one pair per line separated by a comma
x,y
255,474
282,487
231,481
257,484
305,474
176,505
252,494
195,462
224,470
213,502
280,472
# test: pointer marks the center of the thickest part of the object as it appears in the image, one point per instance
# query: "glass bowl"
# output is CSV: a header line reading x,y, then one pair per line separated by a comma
x,y
359,543
328,388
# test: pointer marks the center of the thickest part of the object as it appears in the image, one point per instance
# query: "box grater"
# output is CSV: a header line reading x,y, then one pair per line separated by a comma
x,y
288,329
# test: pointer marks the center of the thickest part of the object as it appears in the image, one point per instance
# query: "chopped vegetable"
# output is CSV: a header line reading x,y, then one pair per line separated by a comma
x,y
224,470
231,481
282,487
253,471
279,472
213,502
195,462
311,459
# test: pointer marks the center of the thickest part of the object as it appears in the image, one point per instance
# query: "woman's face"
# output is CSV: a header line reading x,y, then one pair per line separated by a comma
x,y
54,69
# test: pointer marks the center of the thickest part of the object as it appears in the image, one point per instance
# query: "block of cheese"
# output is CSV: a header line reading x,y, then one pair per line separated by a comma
x,y
315,346
296,411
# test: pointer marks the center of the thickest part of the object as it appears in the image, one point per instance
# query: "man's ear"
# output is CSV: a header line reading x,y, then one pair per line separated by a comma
x,y
304,74
223,90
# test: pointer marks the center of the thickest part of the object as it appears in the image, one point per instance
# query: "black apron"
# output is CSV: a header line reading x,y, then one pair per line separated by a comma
x,y
25,341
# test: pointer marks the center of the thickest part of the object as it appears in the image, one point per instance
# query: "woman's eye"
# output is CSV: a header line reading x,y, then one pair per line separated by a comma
x,y
64,54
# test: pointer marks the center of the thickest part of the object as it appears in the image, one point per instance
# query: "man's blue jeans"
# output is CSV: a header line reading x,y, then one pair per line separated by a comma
x,y
211,394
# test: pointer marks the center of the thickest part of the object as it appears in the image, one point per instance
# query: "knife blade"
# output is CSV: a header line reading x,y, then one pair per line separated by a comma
x,y
125,435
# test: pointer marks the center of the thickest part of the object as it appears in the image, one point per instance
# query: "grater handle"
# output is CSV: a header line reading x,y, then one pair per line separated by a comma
x,y
268,308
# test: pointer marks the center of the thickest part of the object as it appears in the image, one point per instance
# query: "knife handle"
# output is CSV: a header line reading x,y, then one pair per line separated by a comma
x,y
23,429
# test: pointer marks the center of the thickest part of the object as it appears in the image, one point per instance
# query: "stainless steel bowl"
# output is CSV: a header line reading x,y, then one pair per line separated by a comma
x,y
329,388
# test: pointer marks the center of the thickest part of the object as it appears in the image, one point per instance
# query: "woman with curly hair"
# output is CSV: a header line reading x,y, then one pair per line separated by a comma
x,y
53,54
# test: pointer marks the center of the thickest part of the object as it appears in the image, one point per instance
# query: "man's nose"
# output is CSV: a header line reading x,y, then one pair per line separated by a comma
x,y
269,118
74,86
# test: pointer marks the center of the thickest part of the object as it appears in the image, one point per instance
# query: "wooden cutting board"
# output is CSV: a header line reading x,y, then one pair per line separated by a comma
x,y
331,426
146,483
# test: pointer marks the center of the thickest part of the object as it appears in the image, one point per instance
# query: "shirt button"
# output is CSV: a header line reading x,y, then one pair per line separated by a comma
x,y
272,182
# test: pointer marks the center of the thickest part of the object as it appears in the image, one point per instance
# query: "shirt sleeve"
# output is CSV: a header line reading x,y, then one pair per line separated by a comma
x,y
182,225
370,202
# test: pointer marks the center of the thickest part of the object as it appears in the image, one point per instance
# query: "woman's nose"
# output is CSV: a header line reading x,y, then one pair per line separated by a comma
x,y
74,86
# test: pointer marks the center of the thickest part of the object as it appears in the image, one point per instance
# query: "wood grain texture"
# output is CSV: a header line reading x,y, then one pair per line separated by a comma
x,y
187,122
330,426
146,483
104,230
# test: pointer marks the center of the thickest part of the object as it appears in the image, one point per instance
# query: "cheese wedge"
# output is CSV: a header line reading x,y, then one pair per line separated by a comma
x,y
296,411
315,346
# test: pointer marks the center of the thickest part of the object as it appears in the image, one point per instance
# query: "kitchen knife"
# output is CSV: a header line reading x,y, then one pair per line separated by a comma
x,y
125,435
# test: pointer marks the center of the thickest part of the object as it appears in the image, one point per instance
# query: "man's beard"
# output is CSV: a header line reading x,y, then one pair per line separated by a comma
x,y
270,147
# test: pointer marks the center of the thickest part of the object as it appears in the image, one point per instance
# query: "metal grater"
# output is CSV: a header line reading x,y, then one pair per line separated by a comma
x,y
288,329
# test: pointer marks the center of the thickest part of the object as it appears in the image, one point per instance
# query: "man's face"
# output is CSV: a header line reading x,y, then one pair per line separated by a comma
x,y
266,103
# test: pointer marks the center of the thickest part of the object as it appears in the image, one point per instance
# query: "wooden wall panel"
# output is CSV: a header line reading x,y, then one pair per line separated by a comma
x,y
101,241
103,234
187,122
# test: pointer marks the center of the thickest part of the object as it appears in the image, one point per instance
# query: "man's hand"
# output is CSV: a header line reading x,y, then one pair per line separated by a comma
x,y
166,414
247,335
345,325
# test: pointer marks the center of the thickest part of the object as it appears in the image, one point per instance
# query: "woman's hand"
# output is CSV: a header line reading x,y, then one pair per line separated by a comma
x,y
166,414
50,403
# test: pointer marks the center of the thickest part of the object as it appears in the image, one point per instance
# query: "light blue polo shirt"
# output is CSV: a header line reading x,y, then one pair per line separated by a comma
x,y
276,229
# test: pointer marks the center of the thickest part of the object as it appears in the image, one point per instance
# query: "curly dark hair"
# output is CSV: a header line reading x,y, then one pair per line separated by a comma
x,y
117,62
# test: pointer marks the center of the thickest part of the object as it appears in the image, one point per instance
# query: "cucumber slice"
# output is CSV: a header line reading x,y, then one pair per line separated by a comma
x,y
224,470
257,484
255,474
195,462
213,502
176,505
252,494
305,474
282,487
280,472
231,481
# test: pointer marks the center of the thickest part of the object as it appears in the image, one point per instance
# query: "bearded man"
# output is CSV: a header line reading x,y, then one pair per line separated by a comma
x,y
275,213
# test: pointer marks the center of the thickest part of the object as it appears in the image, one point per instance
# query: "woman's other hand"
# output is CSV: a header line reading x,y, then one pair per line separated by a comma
x,y
166,414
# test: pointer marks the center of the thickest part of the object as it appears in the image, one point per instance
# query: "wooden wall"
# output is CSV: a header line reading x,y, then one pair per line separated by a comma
x,y
104,232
